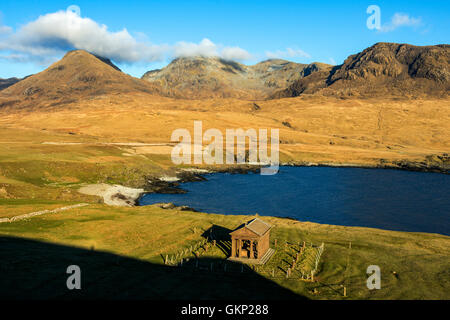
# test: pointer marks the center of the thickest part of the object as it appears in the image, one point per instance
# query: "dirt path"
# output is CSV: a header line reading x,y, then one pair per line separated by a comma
x,y
127,144
38,213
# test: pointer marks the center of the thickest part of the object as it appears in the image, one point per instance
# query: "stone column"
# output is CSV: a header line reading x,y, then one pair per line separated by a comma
x,y
251,250
233,247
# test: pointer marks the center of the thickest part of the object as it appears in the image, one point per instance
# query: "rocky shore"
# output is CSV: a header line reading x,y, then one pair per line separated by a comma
x,y
171,185
117,195
113,195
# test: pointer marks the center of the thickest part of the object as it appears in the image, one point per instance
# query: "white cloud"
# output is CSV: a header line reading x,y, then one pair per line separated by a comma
x,y
401,20
206,48
51,35
288,53
5,30
54,33
235,53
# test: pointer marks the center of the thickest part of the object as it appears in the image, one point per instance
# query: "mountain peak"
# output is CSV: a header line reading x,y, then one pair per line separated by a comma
x,y
83,56
215,77
79,74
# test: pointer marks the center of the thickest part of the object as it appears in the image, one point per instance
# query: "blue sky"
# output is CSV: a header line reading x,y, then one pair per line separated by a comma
x,y
249,31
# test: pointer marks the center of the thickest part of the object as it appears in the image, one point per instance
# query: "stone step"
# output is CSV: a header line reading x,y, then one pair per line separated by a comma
x,y
267,256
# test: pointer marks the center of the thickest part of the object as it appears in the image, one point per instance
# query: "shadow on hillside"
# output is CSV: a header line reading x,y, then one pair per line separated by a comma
x,y
222,237
37,270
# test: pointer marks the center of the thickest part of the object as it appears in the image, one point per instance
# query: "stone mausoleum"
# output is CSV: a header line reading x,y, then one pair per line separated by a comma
x,y
250,243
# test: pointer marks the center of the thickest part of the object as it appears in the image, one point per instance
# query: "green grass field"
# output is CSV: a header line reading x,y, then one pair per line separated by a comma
x,y
421,261
122,250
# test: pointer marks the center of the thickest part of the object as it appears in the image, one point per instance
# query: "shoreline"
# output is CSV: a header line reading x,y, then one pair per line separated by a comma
x,y
166,186
117,195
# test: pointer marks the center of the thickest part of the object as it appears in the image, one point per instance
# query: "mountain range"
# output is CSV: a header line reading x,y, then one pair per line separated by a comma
x,y
200,77
384,69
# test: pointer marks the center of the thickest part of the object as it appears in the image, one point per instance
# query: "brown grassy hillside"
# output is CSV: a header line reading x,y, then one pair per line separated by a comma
x,y
78,76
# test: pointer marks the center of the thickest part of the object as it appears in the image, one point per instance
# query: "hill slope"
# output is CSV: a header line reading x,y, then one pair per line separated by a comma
x,y
387,69
79,75
200,77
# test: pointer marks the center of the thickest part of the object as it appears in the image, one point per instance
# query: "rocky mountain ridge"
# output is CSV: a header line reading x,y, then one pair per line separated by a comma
x,y
386,69
212,77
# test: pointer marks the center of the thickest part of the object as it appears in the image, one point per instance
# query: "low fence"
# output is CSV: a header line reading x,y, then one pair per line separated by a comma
x,y
194,251
304,265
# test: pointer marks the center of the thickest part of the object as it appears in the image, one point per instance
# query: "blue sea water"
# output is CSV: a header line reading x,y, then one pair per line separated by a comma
x,y
378,198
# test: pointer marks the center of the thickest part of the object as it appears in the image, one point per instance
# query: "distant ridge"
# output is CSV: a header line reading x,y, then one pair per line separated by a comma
x,y
5,83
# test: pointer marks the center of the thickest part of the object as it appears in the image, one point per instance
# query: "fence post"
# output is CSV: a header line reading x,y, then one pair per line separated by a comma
x,y
166,260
